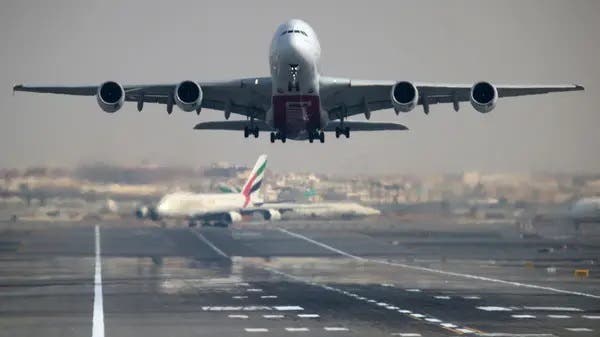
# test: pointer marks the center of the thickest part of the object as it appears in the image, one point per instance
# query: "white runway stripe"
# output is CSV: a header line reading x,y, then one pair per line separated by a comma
x,y
256,330
210,244
308,315
297,329
441,272
335,328
98,318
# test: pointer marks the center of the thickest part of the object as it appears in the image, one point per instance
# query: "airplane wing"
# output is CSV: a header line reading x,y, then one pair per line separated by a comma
x,y
248,97
231,125
364,126
363,97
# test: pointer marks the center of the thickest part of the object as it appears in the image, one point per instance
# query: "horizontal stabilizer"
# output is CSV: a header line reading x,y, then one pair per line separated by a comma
x,y
365,126
231,125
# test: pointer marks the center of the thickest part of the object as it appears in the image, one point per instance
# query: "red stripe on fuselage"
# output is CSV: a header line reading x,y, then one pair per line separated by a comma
x,y
296,113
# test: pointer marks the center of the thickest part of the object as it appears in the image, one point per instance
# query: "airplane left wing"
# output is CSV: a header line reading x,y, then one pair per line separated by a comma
x,y
231,125
343,97
364,126
249,97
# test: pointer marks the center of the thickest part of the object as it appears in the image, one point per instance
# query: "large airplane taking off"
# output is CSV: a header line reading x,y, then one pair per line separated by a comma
x,y
296,101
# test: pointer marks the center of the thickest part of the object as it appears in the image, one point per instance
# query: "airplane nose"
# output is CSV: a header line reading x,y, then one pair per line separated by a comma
x,y
297,50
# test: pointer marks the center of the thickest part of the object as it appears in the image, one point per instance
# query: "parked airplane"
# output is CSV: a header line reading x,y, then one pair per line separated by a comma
x,y
585,210
220,209
322,210
296,102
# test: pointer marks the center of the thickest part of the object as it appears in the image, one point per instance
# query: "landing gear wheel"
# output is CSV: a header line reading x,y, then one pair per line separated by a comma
x,y
337,132
246,132
272,137
282,138
255,132
322,137
347,132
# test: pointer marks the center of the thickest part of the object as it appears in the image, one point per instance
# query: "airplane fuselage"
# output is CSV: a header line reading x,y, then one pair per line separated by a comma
x,y
296,110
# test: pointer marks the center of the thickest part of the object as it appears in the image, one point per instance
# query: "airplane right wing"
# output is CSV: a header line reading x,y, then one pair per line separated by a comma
x,y
249,97
231,125
364,126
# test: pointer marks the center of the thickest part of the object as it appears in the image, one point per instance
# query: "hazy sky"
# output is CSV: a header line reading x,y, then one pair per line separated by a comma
x,y
87,42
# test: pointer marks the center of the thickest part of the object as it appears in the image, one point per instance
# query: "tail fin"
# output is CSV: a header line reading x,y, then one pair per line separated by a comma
x,y
254,182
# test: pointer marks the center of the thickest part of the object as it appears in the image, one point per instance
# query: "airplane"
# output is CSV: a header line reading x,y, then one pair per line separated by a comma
x,y
322,210
585,210
576,213
296,102
218,209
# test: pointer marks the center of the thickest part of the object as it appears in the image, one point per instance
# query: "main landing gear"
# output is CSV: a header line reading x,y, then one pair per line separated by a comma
x,y
320,135
251,131
342,131
277,135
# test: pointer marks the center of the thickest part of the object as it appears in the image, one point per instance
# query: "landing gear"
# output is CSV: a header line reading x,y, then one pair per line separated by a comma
x,y
342,131
251,131
320,135
277,135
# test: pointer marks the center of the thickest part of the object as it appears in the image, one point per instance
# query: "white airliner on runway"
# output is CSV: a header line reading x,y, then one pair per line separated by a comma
x,y
296,102
221,209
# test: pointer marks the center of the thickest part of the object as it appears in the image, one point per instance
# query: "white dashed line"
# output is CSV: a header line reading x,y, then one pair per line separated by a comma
x,y
269,296
523,316
579,329
297,329
414,290
417,315
273,316
494,308
402,311
210,244
590,317
471,297
238,316
239,297
256,330
508,334
553,309
448,325
335,328
406,334
442,297
463,330
254,290
288,308
433,320
308,315
98,316
438,271
559,316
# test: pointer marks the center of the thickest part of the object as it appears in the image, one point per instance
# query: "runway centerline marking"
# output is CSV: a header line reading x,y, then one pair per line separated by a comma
x,y
210,244
98,318
437,271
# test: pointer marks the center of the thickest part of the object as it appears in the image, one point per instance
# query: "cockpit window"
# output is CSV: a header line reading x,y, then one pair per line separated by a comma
x,y
294,31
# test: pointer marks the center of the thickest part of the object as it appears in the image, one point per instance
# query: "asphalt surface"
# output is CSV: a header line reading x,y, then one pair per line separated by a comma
x,y
133,279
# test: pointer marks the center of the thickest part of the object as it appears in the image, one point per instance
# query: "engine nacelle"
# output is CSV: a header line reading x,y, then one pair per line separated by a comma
x,y
484,96
234,217
110,96
272,215
141,212
188,96
405,96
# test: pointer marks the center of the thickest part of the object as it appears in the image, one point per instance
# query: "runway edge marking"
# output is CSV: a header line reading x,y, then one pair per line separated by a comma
x,y
438,271
98,318
210,244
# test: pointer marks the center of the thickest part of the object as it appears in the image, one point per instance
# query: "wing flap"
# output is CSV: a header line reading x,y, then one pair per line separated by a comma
x,y
231,125
365,126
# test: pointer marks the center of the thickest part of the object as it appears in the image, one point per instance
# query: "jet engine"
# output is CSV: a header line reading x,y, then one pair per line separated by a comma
x,y
110,96
233,217
272,215
484,96
188,96
142,212
405,96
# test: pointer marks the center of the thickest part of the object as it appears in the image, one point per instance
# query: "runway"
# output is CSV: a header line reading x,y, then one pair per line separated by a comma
x,y
133,279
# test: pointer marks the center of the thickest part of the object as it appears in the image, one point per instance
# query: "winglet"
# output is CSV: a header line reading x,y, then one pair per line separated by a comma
x,y
578,87
17,87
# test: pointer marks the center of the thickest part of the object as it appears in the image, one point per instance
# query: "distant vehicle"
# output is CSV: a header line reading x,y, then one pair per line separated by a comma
x,y
296,102
217,209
